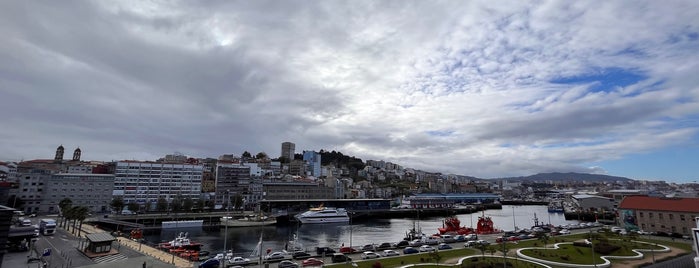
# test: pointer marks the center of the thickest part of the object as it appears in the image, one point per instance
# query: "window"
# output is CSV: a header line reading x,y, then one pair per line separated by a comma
x,y
671,216
640,214
650,215
660,215
682,217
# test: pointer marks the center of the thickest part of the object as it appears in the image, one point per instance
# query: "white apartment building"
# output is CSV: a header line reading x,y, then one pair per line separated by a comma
x,y
144,182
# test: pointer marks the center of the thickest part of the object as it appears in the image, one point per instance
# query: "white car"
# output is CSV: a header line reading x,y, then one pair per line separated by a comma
x,y
564,231
427,248
276,256
370,255
239,261
390,252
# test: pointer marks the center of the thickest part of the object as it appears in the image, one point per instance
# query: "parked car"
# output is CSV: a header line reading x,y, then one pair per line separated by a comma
x,y
368,247
210,263
239,261
347,250
415,243
383,246
460,238
471,244
390,252
287,264
448,239
443,246
427,248
298,255
340,257
370,255
431,241
275,256
326,250
401,244
471,237
564,231
312,262
410,250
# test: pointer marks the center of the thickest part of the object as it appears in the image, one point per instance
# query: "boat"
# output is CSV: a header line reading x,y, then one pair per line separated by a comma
x,y
485,225
182,224
181,242
452,225
323,214
555,207
248,221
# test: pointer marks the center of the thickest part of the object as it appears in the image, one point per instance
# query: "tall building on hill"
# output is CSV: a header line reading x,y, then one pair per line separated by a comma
x,y
312,161
144,182
288,150
59,153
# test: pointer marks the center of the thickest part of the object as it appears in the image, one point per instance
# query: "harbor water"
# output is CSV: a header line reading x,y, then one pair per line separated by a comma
x,y
276,238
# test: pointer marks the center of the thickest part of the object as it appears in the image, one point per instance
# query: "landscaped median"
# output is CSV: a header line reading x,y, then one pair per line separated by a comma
x,y
580,254
536,253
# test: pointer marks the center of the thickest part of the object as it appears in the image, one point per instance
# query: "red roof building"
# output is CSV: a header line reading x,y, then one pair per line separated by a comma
x,y
659,214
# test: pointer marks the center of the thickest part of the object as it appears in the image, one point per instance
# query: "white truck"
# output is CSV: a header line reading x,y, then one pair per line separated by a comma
x,y
47,226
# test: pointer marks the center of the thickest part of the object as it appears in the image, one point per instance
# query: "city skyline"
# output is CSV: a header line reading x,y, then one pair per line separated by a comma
x,y
477,88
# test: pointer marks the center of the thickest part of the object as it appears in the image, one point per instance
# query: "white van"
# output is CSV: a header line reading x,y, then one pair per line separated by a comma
x,y
127,212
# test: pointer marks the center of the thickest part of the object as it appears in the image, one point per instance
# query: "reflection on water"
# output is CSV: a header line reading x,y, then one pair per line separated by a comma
x,y
243,240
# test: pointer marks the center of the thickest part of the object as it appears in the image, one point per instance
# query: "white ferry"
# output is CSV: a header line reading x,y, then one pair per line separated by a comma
x,y
323,215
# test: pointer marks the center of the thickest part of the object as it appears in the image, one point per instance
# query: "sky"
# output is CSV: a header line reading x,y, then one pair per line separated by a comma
x,y
480,88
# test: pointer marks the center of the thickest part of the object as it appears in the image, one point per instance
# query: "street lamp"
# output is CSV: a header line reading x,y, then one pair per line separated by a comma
x,y
225,235
592,247
351,214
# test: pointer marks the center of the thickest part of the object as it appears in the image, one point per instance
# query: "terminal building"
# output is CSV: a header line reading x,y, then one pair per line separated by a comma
x,y
659,214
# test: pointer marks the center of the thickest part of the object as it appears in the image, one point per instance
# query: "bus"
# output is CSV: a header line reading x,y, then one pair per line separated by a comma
x,y
47,226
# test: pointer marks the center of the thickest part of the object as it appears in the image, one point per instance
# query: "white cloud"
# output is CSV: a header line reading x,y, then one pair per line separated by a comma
x,y
460,88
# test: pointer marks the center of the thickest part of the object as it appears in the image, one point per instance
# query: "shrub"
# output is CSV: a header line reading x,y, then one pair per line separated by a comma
x,y
604,248
581,244
565,257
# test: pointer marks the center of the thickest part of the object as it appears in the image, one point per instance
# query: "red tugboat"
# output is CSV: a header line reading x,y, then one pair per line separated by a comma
x,y
452,225
485,226
181,242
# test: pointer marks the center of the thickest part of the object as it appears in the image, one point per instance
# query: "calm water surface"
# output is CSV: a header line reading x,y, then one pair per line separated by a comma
x,y
243,240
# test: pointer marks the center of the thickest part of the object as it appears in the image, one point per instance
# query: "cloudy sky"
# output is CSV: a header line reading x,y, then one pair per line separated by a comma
x,y
480,88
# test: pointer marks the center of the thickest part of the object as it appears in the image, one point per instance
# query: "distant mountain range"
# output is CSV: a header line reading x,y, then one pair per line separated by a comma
x,y
570,176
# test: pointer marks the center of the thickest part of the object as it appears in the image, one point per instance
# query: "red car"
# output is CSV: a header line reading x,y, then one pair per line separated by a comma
x,y
312,262
347,250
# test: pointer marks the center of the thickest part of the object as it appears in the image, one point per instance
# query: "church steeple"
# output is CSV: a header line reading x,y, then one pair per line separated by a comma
x,y
59,153
76,154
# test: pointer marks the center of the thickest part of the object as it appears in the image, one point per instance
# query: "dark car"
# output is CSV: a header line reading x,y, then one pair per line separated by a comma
x,y
410,250
298,255
443,246
324,250
210,263
402,244
383,246
287,264
340,257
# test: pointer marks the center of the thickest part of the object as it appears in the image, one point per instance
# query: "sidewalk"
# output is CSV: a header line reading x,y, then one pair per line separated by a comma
x,y
145,249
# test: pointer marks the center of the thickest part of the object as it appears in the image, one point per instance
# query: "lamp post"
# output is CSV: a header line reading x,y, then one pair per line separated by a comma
x,y
592,247
351,214
225,235
504,258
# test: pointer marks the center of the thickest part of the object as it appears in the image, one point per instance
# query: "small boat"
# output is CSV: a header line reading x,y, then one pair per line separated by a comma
x,y
556,207
180,242
323,215
247,221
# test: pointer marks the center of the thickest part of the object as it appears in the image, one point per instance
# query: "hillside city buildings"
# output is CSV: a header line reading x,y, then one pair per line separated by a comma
x,y
241,182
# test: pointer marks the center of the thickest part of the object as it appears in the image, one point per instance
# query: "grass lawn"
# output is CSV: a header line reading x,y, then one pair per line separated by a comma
x,y
583,255
578,255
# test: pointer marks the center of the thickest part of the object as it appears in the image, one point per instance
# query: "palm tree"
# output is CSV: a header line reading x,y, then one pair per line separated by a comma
x,y
80,215
64,205
68,215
